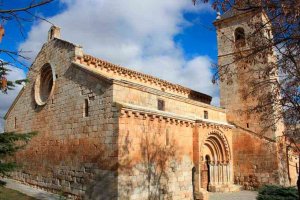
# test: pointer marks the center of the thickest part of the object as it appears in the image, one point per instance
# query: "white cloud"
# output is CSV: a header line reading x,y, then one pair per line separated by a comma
x,y
7,99
133,33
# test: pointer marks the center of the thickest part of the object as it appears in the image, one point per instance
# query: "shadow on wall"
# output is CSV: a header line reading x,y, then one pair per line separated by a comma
x,y
149,175
104,186
146,165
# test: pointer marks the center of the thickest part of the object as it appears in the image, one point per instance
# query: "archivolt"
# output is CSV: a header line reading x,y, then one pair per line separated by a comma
x,y
218,145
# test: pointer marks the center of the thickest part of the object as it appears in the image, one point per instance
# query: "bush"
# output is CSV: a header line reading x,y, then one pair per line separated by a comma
x,y
273,192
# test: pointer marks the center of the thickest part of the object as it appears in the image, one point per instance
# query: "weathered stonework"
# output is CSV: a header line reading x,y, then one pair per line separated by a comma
x,y
102,134
259,155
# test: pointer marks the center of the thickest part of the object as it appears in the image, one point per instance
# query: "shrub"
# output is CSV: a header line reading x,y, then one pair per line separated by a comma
x,y
273,192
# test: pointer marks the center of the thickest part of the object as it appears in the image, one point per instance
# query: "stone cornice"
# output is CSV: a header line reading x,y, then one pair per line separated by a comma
x,y
144,78
213,124
90,71
129,110
149,89
168,95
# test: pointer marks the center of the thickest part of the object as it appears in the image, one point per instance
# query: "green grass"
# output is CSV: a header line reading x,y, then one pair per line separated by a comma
x,y
9,194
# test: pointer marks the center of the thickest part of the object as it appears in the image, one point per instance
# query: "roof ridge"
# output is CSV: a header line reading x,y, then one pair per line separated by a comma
x,y
91,59
235,12
132,71
132,74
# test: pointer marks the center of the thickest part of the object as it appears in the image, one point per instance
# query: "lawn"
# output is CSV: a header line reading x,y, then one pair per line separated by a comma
x,y
8,194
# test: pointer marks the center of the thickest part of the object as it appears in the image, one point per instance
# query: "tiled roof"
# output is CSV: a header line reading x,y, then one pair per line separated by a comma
x,y
122,71
235,12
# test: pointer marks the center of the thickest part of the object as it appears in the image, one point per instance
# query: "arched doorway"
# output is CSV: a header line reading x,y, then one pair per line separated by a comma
x,y
205,173
215,167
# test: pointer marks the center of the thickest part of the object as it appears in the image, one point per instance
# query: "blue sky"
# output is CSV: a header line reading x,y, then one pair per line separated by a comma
x,y
173,40
13,36
199,38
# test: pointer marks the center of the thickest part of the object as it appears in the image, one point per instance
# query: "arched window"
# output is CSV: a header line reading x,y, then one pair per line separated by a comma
x,y
239,36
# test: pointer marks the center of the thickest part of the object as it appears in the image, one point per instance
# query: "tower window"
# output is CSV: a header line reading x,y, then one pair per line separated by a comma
x,y
160,104
86,108
240,39
247,125
205,114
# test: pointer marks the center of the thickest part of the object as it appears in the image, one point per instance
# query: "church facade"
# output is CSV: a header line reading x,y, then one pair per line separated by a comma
x,y
108,132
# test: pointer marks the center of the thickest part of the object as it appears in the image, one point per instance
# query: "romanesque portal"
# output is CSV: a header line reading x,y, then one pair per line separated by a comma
x,y
216,166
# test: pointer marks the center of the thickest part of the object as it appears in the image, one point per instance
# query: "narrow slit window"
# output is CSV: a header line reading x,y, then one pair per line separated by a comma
x,y
161,104
247,125
15,122
86,108
167,138
205,114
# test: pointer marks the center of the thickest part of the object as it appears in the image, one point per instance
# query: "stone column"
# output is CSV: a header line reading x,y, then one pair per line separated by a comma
x,y
216,174
227,173
229,169
224,174
210,173
231,174
219,174
213,173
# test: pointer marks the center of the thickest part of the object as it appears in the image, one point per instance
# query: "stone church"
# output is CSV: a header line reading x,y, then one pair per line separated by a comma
x,y
108,132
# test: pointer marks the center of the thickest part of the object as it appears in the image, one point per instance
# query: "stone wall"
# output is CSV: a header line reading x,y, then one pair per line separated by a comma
x,y
156,157
102,138
71,153
148,97
168,153
256,161
257,158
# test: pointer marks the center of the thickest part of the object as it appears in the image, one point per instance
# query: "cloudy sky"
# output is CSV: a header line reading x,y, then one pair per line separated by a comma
x,y
172,40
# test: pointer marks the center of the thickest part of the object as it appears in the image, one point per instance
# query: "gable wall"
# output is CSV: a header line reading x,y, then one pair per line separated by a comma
x,y
71,153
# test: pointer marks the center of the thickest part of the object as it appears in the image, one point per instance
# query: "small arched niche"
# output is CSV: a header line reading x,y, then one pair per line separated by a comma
x,y
44,84
239,37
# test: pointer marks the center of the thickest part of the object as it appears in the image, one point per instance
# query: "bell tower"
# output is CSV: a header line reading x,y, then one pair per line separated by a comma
x,y
238,73
256,150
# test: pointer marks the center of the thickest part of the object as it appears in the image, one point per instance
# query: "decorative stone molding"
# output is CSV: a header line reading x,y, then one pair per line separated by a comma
x,y
144,78
127,113
212,125
129,110
221,136
44,84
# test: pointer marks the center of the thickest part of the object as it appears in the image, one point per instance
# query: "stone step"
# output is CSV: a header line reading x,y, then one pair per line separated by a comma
x,y
226,188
